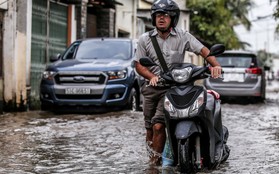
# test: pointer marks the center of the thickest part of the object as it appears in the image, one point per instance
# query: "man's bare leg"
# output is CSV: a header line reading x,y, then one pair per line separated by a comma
x,y
149,146
149,135
158,142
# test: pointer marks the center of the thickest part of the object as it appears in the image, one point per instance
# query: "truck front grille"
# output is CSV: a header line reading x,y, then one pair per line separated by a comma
x,y
85,77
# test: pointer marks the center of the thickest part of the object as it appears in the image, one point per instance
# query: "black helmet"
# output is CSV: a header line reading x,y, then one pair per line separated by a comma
x,y
166,6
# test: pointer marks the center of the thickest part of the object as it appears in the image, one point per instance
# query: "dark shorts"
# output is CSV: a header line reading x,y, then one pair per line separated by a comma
x,y
153,105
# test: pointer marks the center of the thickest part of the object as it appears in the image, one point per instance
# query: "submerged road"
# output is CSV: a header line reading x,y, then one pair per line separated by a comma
x,y
43,142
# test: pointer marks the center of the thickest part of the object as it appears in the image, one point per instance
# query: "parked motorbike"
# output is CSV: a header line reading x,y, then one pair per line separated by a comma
x,y
195,132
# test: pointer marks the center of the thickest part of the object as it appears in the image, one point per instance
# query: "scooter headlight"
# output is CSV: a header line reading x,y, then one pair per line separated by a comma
x,y
194,109
181,75
184,113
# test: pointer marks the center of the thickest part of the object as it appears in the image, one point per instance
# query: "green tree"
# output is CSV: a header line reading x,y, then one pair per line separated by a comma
x,y
213,20
239,10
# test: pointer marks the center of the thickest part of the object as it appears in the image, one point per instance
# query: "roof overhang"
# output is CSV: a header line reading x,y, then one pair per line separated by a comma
x,y
3,4
93,2
104,2
144,14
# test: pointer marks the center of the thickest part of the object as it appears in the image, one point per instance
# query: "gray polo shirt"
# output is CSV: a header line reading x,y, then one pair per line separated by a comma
x,y
173,48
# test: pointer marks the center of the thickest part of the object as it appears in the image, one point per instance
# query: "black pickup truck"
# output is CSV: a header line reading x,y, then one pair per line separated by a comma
x,y
92,73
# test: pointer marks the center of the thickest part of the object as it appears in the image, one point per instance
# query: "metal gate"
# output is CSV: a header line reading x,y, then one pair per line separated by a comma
x,y
49,37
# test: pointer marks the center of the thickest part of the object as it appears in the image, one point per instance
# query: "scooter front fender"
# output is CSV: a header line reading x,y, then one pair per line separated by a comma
x,y
185,129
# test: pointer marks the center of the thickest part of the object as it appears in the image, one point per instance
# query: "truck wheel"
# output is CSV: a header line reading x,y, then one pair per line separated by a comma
x,y
45,106
133,103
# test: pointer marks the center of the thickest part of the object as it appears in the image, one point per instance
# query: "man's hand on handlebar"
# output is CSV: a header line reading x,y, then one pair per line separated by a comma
x,y
153,81
216,71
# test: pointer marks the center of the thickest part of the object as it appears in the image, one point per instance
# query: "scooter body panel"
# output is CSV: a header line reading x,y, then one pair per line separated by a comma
x,y
185,129
203,123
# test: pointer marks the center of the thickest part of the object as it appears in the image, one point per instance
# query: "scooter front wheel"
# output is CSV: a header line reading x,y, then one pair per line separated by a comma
x,y
186,156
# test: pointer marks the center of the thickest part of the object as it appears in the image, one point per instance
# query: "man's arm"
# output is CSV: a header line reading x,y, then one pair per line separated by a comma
x,y
144,72
211,59
216,68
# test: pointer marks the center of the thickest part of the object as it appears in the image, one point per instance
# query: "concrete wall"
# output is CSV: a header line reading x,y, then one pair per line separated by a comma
x,y
14,54
144,5
126,18
73,24
184,15
1,60
1,96
9,32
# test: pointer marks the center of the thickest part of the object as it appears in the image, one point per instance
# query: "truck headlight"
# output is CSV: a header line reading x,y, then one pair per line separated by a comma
x,y
48,75
181,75
117,74
187,112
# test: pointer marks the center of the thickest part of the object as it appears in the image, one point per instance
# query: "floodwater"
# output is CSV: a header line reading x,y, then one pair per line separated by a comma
x,y
44,143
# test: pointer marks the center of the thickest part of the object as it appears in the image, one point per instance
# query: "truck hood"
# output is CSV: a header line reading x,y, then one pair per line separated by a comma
x,y
94,65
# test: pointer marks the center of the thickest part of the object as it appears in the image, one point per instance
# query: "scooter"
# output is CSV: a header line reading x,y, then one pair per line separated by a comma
x,y
194,128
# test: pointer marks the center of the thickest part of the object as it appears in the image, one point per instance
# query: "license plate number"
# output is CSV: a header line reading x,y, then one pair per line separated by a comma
x,y
77,91
237,77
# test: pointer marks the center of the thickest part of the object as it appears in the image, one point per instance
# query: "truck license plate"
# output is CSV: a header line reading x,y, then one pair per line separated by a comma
x,y
77,91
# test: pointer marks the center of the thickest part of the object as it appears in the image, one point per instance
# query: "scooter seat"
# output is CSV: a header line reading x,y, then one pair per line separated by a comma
x,y
214,93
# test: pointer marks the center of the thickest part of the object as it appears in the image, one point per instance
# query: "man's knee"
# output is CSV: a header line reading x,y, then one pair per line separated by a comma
x,y
158,128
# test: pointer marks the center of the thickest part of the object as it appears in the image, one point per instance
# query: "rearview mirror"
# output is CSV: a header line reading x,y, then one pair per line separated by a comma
x,y
54,58
216,50
146,61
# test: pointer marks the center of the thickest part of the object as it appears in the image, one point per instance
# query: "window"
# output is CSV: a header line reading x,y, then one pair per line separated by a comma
x,y
235,61
104,50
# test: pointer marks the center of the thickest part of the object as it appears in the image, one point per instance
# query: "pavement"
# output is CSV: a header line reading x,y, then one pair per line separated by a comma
x,y
272,86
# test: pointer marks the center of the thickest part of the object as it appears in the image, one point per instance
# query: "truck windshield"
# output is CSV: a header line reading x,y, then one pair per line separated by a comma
x,y
104,50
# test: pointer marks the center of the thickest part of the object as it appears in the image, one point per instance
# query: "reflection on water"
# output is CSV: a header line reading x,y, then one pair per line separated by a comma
x,y
41,142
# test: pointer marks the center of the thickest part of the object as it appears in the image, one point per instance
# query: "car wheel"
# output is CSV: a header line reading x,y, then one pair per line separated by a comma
x,y
133,103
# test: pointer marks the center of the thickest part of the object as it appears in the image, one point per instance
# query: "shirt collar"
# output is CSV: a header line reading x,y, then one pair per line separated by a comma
x,y
155,32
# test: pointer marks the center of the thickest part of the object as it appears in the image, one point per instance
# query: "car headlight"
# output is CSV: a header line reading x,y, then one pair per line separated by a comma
x,y
117,74
181,75
187,112
48,75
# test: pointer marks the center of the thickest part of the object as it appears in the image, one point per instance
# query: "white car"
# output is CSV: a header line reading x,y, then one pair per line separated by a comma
x,y
244,76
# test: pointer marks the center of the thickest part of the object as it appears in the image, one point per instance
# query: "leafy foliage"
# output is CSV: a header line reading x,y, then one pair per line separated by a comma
x,y
213,20
276,14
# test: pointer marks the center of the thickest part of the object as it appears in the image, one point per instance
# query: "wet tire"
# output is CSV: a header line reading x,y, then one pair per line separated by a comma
x,y
186,156
45,106
133,103
226,153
